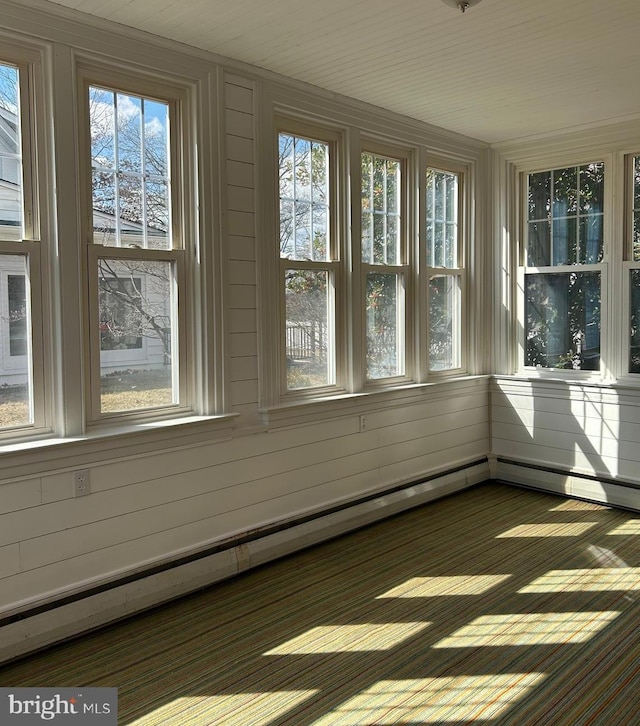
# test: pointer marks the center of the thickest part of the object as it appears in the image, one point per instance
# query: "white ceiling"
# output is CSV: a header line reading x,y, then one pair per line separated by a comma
x,y
503,70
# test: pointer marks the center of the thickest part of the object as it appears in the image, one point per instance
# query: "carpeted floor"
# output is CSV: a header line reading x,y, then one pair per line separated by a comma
x,y
495,606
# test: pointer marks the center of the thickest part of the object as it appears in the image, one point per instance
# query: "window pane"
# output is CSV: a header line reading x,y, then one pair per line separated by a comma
x,y
15,374
444,323
539,195
131,188
442,218
563,320
539,244
307,336
634,352
138,368
380,210
568,231
11,205
384,326
304,198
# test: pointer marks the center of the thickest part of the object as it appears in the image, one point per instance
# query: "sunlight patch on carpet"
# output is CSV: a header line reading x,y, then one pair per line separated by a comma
x,y
632,526
433,700
595,579
576,505
443,586
528,629
363,637
257,709
562,529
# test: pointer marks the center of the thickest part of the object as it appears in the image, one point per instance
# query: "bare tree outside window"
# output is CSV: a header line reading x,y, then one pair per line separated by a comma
x,y
131,190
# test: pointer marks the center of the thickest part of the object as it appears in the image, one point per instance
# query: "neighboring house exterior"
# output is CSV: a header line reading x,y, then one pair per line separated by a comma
x,y
123,340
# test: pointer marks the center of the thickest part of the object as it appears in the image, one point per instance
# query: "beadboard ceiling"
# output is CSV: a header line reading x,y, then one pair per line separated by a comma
x,y
503,70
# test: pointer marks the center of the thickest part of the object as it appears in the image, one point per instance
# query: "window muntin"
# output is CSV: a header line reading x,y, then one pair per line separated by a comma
x,y
383,265
308,256
136,255
445,275
563,277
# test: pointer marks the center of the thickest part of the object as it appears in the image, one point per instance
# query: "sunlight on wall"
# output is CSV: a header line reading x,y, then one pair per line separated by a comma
x,y
258,709
587,580
433,700
528,629
349,638
527,418
562,529
437,586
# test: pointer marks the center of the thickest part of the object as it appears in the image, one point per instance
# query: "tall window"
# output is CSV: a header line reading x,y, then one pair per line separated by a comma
x,y
633,265
137,252
384,258
445,272
308,259
562,282
17,252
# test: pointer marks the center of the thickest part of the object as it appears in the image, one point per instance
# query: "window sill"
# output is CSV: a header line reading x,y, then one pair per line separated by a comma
x,y
37,456
310,410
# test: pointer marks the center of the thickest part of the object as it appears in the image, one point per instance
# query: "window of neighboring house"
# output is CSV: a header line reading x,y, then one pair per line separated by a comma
x,y
308,258
137,253
444,270
564,251
384,265
21,385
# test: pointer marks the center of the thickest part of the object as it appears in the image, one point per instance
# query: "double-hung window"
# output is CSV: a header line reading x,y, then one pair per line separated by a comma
x,y
138,248
22,401
445,270
309,257
632,263
385,264
563,267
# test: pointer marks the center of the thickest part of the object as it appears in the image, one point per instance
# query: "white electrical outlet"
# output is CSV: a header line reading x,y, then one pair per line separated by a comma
x,y
81,483
363,423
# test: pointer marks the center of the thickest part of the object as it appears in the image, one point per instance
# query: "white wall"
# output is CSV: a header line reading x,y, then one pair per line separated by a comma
x,y
168,492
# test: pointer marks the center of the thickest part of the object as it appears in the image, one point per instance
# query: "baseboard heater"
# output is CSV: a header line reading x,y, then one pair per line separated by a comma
x,y
44,624
597,488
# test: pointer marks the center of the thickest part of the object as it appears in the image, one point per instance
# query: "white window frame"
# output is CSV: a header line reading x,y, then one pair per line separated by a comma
x,y
552,164
459,271
182,256
333,266
37,236
628,264
404,269
414,146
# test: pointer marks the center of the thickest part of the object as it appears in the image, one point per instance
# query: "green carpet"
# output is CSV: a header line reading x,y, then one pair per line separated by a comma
x,y
494,606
